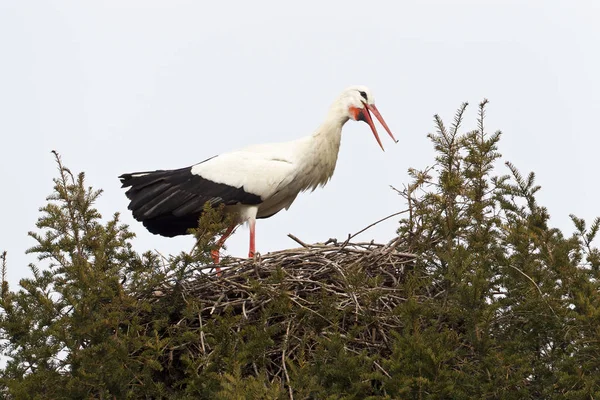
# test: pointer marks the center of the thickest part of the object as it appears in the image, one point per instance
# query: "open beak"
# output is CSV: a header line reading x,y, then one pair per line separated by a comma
x,y
369,120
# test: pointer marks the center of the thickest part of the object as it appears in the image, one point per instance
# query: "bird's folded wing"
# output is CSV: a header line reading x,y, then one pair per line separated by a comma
x,y
256,173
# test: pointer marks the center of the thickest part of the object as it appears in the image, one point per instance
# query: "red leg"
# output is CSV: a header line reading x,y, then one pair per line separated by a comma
x,y
252,250
215,252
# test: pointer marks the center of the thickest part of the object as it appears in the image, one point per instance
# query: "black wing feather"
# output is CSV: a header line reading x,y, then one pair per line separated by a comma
x,y
169,202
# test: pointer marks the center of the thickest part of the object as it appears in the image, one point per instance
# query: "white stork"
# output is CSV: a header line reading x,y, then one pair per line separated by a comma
x,y
254,182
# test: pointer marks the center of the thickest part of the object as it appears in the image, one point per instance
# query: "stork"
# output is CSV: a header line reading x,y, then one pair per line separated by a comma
x,y
253,182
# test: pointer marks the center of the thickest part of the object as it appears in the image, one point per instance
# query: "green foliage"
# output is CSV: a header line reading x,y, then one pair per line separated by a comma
x,y
497,304
79,327
511,310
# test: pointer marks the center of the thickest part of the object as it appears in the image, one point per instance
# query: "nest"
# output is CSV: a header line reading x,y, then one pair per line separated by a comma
x,y
348,290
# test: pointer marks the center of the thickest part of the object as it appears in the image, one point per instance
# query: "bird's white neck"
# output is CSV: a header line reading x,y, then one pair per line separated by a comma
x,y
330,131
324,146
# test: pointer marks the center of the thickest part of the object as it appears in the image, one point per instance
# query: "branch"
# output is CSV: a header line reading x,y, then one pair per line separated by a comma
x,y
300,242
375,223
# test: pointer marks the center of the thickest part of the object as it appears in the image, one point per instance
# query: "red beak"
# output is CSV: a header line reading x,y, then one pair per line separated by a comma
x,y
369,120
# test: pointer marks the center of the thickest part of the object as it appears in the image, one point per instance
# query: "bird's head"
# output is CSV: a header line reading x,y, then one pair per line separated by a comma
x,y
358,104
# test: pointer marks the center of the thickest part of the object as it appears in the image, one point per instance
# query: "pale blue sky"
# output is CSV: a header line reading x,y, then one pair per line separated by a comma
x,y
120,86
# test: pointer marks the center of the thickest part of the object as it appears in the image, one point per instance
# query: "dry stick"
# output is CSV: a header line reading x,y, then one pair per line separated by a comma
x,y
372,225
381,369
217,303
201,333
303,244
287,377
311,310
300,242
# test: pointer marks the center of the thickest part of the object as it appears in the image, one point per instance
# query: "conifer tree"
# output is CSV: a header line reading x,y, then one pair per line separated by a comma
x,y
483,300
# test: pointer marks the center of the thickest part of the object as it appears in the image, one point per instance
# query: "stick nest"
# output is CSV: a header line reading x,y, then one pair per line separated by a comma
x,y
303,296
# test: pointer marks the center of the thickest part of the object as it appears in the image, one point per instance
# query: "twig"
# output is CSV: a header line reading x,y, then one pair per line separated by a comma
x,y
283,362
381,369
375,223
217,303
300,242
201,333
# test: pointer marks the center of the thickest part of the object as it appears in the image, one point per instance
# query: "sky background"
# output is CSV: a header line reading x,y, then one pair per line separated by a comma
x,y
123,86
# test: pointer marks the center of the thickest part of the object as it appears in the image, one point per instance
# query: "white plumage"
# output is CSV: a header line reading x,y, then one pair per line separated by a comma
x,y
254,182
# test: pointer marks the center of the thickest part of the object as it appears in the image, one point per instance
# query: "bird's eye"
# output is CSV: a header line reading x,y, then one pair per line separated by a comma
x,y
363,94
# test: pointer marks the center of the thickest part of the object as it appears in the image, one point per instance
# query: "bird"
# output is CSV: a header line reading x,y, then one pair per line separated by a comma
x,y
251,183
